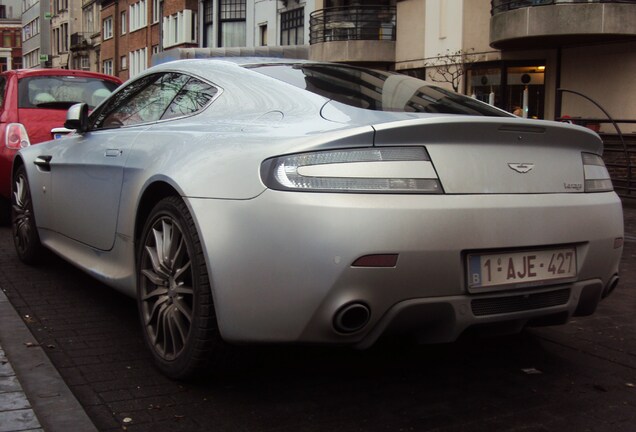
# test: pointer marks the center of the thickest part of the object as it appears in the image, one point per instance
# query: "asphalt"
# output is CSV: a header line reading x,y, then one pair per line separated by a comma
x,y
33,395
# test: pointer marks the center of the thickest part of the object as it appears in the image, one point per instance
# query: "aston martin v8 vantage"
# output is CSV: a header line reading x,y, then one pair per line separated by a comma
x,y
276,201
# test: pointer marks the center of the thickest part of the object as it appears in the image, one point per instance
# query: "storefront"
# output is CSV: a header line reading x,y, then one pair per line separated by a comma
x,y
510,85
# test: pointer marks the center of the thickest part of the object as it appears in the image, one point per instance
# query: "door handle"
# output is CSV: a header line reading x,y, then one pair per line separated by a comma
x,y
44,162
113,153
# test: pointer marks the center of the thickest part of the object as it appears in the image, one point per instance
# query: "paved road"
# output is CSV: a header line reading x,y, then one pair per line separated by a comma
x,y
577,377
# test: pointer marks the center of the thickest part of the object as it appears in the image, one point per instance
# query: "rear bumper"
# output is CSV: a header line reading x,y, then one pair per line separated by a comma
x,y
444,319
280,264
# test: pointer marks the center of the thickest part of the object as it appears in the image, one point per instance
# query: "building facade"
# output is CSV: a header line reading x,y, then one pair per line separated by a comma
x,y
514,54
361,32
10,35
254,23
133,31
130,33
65,20
36,33
85,41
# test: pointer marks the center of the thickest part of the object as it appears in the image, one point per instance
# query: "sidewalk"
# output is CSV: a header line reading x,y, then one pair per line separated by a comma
x,y
34,397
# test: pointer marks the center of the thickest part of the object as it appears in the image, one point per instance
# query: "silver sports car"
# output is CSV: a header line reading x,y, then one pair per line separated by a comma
x,y
273,201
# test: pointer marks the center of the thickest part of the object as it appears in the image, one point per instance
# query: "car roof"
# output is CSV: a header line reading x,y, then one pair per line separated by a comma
x,y
186,64
23,73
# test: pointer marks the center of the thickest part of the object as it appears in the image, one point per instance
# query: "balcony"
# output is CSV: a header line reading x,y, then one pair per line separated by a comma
x,y
530,24
79,42
353,34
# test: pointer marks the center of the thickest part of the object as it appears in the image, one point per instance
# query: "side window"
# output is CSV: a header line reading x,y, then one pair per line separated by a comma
x,y
194,96
142,101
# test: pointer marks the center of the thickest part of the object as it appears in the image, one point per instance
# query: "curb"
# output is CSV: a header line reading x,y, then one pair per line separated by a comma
x,y
52,401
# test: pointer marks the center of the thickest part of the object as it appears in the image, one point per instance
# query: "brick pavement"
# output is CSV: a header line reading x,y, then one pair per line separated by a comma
x,y
90,332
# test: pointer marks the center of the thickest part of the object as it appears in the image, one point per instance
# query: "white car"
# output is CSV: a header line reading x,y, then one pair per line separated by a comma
x,y
276,201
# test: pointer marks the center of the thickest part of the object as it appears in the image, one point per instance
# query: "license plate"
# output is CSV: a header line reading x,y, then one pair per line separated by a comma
x,y
526,268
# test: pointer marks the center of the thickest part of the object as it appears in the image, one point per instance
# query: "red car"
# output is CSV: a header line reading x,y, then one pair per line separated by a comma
x,y
35,101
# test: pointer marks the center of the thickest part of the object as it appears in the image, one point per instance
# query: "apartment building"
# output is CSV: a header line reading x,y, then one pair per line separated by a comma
x,y
85,40
133,31
511,53
255,23
508,53
36,33
358,32
10,35
64,22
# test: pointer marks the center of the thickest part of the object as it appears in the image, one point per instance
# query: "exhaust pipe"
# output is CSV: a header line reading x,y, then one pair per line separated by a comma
x,y
351,317
613,282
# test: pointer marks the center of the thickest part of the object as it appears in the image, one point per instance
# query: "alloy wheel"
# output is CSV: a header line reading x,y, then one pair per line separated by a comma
x,y
22,216
167,293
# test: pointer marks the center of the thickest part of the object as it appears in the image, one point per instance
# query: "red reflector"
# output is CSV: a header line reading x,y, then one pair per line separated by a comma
x,y
381,260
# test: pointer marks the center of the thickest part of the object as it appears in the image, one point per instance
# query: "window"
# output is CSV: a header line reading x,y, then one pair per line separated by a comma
x,y
28,4
123,62
60,6
180,28
56,41
262,31
138,15
108,28
369,89
31,29
142,101
31,59
84,63
107,67
208,21
122,22
88,19
194,96
232,23
63,40
292,25
138,61
156,10
152,98
60,91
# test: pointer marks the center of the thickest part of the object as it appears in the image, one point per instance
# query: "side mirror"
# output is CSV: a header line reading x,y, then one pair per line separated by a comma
x,y
77,118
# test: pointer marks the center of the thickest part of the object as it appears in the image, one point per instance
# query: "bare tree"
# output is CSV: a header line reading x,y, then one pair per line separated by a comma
x,y
451,66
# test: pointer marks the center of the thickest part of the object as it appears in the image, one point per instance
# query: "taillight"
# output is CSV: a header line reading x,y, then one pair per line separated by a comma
x,y
367,170
16,136
597,178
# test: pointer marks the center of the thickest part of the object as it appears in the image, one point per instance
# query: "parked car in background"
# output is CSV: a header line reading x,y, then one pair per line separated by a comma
x,y
278,201
35,101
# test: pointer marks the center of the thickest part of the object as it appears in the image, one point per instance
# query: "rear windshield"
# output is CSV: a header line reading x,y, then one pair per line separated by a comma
x,y
376,90
60,92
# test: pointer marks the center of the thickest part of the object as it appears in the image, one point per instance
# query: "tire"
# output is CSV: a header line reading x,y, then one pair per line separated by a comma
x,y
24,229
173,293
